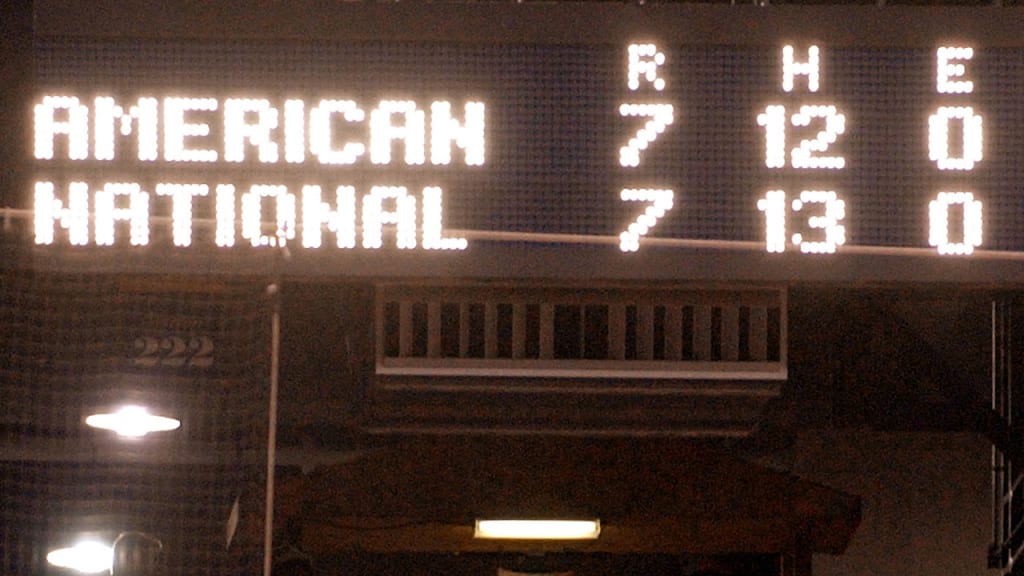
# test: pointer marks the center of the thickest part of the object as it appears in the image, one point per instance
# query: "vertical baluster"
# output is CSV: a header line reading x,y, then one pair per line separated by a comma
x,y
490,330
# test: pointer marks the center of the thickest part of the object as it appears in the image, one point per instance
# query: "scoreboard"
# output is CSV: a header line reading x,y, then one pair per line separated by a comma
x,y
770,142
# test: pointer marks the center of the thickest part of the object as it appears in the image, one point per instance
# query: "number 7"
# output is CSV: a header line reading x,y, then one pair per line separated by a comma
x,y
661,202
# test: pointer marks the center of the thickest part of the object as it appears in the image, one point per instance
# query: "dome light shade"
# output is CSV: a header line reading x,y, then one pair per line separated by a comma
x,y
88,557
132,422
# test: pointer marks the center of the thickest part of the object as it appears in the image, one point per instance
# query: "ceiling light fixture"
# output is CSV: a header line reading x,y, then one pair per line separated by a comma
x,y
132,422
538,529
89,557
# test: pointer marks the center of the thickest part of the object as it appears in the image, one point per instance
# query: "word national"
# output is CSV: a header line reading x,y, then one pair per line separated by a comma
x,y
129,203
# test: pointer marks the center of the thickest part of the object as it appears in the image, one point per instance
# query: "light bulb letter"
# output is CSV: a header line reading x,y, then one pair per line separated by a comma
x,y
177,129
252,215
112,119
239,131
181,208
74,125
295,131
321,133
643,64
659,203
659,117
467,135
810,153
74,218
951,70
774,207
433,233
383,131
225,234
341,220
809,68
938,220
939,138
108,213
829,222
375,217
774,121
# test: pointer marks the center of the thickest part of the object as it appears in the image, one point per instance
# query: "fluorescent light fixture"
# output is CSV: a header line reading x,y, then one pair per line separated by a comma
x,y
89,557
132,422
538,529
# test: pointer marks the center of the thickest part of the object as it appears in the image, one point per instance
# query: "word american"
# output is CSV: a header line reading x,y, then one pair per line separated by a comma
x,y
184,131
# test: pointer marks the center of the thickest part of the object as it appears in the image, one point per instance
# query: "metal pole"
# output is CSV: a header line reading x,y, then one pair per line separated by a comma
x,y
999,316
275,346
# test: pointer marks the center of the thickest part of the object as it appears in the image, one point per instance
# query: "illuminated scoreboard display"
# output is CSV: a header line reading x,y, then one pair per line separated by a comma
x,y
793,134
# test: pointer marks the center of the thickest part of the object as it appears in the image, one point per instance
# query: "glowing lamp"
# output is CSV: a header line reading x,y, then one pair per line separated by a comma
x,y
132,422
88,557
538,529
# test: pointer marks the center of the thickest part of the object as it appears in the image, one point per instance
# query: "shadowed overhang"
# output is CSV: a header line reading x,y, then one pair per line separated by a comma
x,y
651,496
